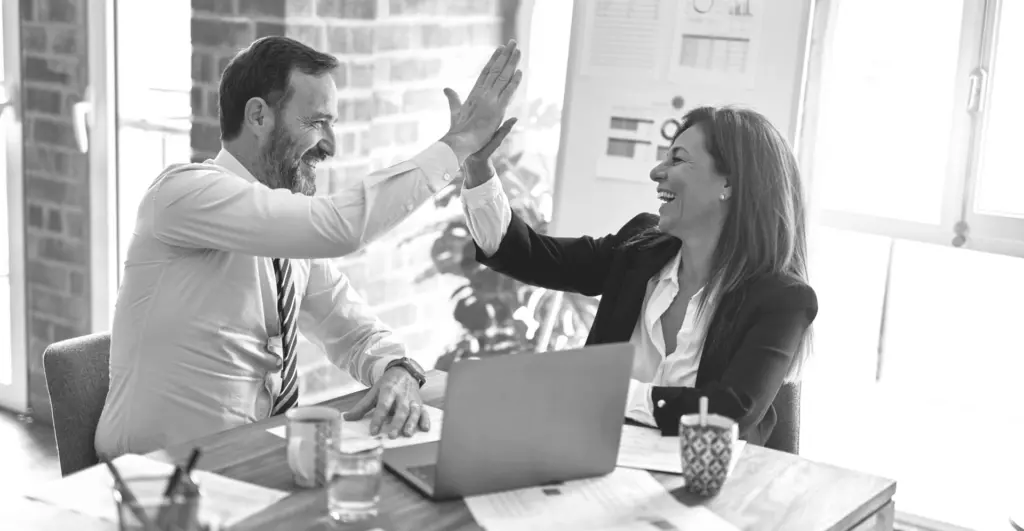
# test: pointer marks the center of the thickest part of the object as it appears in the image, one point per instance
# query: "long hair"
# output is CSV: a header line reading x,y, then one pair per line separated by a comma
x,y
764,232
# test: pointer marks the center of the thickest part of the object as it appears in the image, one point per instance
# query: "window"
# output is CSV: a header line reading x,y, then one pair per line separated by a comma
x,y
910,130
907,141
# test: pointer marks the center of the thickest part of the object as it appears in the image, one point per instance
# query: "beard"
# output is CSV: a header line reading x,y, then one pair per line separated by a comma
x,y
283,164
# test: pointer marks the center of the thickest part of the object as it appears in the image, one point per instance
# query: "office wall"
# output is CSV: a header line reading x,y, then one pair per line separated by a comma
x,y
54,69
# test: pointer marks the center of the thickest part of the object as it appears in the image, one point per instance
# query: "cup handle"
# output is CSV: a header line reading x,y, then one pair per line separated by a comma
x,y
302,467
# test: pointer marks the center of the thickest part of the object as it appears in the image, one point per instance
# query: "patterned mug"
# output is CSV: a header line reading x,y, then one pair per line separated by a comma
x,y
706,451
310,433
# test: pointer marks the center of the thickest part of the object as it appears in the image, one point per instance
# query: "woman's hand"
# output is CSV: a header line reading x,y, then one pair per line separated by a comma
x,y
477,168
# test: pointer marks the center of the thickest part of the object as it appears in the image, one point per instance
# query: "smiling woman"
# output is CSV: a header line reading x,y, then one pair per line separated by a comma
x,y
712,293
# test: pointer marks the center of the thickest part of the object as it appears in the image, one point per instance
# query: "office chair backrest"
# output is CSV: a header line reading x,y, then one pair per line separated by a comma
x,y
785,436
77,377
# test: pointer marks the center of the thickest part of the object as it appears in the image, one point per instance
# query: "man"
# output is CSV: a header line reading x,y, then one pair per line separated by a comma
x,y
227,259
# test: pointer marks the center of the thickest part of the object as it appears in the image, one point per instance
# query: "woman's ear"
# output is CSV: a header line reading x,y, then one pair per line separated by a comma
x,y
726,192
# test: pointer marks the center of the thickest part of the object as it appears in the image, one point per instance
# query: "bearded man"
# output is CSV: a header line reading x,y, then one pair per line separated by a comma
x,y
229,258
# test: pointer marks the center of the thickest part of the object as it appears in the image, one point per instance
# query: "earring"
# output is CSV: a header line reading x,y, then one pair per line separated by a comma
x,y
722,197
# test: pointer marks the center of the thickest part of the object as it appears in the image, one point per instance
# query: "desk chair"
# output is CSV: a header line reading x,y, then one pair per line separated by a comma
x,y
77,377
785,436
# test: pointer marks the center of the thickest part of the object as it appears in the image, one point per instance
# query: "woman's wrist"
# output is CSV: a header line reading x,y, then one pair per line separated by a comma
x,y
477,171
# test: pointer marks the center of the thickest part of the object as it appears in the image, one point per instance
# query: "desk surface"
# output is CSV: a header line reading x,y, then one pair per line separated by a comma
x,y
767,490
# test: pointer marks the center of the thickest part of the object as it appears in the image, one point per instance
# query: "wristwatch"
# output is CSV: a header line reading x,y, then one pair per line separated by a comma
x,y
410,365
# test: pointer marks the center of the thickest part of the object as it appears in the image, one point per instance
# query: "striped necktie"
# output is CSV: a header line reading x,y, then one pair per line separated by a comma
x,y
287,310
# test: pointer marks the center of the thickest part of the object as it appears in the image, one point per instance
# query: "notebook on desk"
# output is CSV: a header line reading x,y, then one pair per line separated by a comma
x,y
523,420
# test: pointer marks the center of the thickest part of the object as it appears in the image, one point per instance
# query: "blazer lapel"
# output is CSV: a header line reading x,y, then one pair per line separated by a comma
x,y
625,303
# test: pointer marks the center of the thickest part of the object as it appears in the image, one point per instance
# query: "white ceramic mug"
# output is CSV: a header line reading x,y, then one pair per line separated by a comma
x,y
310,433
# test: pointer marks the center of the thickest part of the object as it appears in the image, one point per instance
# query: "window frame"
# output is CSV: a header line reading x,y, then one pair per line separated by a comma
x,y
981,232
999,232
14,396
101,146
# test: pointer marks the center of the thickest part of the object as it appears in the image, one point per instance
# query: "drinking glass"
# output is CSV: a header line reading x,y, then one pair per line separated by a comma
x,y
354,476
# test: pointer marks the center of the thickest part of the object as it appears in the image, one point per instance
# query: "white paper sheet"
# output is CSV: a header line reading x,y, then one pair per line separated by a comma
x,y
645,448
633,143
362,427
717,41
622,37
625,499
89,492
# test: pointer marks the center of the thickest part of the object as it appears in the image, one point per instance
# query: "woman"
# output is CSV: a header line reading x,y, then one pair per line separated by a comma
x,y
712,292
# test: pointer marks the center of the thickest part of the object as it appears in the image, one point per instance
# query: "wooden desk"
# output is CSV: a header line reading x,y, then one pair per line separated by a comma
x,y
768,489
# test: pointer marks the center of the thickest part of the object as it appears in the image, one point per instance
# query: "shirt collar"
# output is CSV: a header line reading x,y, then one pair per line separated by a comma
x,y
228,161
670,273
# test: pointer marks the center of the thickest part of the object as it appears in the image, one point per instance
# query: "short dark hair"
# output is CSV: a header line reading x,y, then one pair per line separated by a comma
x,y
262,71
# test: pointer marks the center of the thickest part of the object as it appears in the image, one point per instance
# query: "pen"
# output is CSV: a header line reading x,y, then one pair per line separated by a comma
x,y
192,460
172,485
127,496
171,509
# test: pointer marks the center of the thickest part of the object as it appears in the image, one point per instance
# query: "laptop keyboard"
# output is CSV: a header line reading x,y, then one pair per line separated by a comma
x,y
425,473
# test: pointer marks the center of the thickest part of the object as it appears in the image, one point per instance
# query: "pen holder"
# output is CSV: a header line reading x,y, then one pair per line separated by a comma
x,y
178,512
706,449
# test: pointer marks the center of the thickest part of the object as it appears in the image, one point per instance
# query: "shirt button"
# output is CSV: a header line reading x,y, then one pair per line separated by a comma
x,y
661,403
408,208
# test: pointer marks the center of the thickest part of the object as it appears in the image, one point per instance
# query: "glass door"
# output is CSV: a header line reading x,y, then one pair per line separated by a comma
x,y
153,104
13,371
140,122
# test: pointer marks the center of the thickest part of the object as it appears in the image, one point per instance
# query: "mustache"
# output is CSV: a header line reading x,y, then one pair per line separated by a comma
x,y
316,154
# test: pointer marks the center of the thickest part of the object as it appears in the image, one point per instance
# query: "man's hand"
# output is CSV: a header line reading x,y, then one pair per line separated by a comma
x,y
395,395
475,122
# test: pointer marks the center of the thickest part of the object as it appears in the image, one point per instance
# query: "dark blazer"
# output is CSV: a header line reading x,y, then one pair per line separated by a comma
x,y
752,336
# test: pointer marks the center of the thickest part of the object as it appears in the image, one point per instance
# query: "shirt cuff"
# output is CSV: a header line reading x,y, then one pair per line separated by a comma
x,y
638,403
440,165
483,194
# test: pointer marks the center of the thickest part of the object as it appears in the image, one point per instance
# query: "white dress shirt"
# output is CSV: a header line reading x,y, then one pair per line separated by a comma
x,y
488,215
195,344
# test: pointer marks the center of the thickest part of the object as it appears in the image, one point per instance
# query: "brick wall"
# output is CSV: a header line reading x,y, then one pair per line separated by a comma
x,y
396,57
56,176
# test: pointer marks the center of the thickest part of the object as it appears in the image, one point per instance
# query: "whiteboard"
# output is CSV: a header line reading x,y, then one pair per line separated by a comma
x,y
633,64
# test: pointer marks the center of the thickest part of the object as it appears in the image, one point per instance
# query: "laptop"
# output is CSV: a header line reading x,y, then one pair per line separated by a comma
x,y
523,420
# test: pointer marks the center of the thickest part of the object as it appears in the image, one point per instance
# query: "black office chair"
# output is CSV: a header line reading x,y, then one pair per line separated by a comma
x,y
785,436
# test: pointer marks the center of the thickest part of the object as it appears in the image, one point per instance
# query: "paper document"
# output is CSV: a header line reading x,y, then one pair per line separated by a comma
x,y
90,491
362,427
633,136
624,499
645,448
717,41
621,38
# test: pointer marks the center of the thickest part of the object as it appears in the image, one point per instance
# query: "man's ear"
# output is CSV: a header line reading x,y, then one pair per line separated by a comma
x,y
259,117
